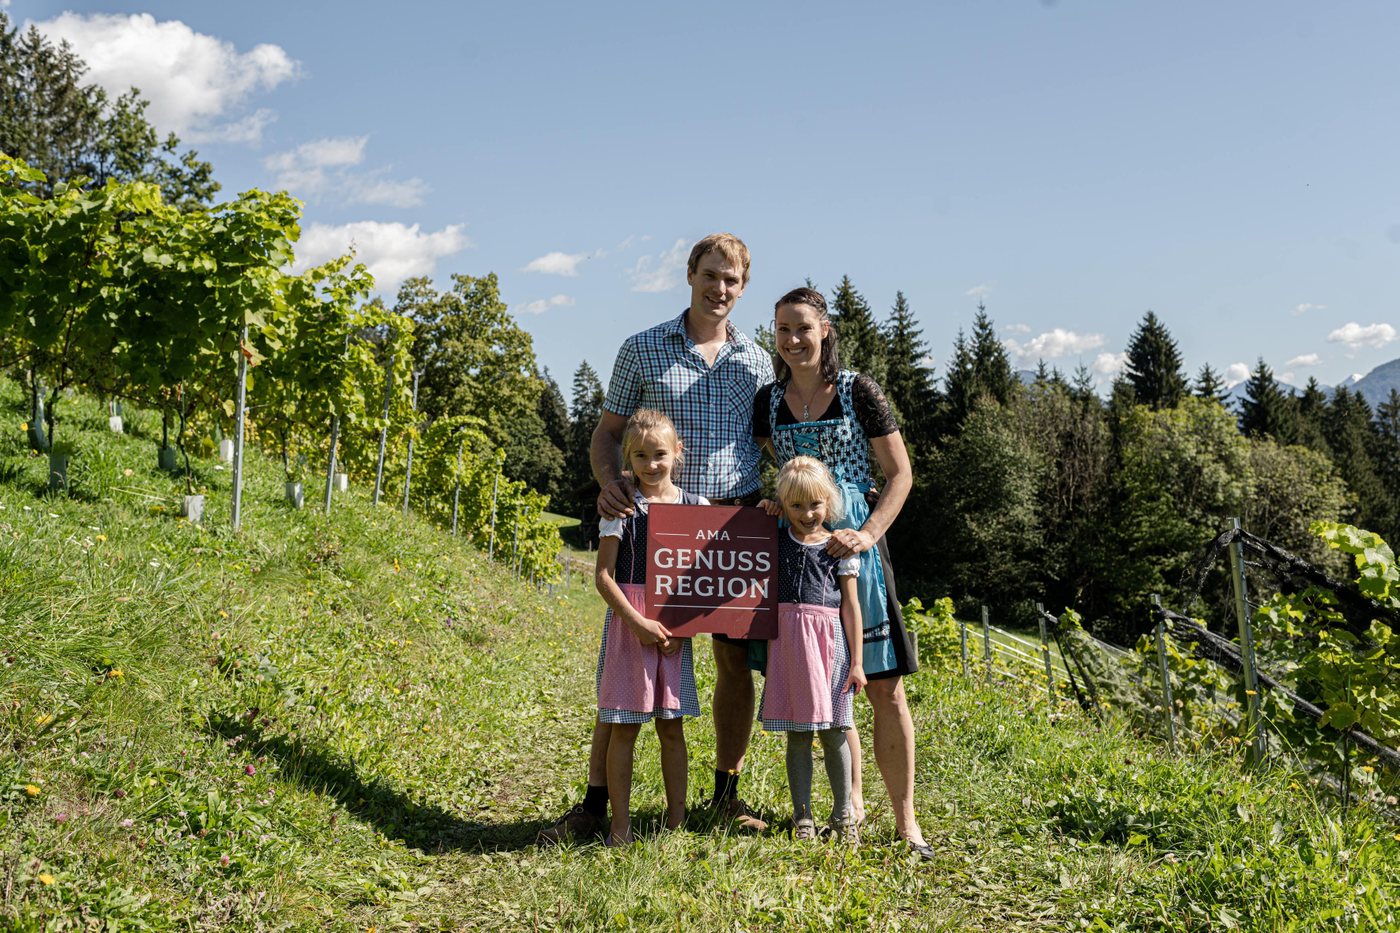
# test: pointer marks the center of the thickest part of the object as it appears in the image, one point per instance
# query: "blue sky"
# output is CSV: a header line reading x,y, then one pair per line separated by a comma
x,y
1072,164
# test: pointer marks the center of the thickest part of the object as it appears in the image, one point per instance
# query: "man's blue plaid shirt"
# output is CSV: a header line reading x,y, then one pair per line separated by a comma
x,y
712,406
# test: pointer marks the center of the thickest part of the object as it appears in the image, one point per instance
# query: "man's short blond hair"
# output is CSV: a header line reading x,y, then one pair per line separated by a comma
x,y
727,245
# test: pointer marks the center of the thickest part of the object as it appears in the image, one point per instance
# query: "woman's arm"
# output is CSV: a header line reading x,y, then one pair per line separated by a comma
x,y
851,622
648,631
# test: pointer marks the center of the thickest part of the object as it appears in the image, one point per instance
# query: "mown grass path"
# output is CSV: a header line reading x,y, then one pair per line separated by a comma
x,y
354,721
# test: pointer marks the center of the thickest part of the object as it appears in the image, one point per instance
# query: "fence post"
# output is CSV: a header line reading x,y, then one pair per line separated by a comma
x,y
408,470
495,484
515,549
384,431
330,470
1254,751
987,641
240,407
1161,628
962,638
457,489
1045,652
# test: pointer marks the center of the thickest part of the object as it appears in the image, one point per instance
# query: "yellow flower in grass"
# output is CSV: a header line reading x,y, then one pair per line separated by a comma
x,y
116,673
46,878
43,720
32,790
101,537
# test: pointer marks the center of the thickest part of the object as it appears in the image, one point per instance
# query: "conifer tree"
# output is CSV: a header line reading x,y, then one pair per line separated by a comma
x,y
584,412
908,380
1310,414
554,415
992,367
959,386
860,342
1210,385
1354,439
1154,365
1266,410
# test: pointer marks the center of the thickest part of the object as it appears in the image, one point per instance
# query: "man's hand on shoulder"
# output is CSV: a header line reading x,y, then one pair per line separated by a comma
x,y
615,498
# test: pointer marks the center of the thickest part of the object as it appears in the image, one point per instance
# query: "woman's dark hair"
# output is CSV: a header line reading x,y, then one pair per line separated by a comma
x,y
830,364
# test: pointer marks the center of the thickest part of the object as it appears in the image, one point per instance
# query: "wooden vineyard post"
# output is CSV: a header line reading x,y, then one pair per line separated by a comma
x,y
987,641
1167,700
457,488
330,467
408,470
1045,652
240,404
515,549
962,638
1254,752
383,431
495,485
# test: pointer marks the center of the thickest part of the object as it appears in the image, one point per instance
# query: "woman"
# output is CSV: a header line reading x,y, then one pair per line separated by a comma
x,y
816,409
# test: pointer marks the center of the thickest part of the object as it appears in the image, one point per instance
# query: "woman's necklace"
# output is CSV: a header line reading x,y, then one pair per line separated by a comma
x,y
807,402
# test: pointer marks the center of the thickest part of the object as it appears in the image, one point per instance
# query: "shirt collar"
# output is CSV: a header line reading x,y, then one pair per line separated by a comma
x,y
676,327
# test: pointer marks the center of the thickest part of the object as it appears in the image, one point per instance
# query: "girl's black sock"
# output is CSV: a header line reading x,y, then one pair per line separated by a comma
x,y
595,800
726,785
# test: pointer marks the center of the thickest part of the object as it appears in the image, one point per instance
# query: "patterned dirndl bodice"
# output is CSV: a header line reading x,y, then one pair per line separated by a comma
x,y
838,442
631,564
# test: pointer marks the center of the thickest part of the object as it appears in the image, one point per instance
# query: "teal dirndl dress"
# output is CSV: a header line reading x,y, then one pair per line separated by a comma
x,y
843,446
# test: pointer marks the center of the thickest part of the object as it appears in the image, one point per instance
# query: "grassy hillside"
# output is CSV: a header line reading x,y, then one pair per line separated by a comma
x,y
352,721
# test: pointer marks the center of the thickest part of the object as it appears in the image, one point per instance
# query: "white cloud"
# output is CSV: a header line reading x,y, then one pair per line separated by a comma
x,y
1355,336
545,304
1236,373
556,263
196,83
660,273
322,167
1110,364
979,291
391,251
1307,359
1305,307
1053,345
1017,328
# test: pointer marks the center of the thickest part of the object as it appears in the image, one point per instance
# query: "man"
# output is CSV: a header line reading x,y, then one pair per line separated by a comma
x,y
702,372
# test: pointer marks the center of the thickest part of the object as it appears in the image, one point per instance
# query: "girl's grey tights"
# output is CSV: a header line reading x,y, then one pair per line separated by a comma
x,y
837,755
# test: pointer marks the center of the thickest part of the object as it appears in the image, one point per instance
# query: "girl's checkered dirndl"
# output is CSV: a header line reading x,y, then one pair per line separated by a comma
x,y
636,683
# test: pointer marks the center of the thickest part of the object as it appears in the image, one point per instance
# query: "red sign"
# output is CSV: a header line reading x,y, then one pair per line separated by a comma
x,y
712,568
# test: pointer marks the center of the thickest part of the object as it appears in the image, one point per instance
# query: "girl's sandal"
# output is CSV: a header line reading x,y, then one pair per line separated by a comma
x,y
922,850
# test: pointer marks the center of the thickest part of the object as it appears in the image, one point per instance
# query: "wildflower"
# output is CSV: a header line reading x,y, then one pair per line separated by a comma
x,y
43,720
1368,769
127,824
61,818
32,790
45,878
116,673
101,537
127,472
223,860
249,770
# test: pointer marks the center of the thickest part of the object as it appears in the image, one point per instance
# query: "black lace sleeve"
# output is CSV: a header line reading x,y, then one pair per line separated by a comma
x,y
872,409
761,427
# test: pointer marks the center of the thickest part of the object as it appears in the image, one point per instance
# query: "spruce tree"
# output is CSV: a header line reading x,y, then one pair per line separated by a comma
x,y
555,417
1310,414
1355,439
1266,410
959,387
992,368
908,381
1210,385
860,342
1154,365
584,412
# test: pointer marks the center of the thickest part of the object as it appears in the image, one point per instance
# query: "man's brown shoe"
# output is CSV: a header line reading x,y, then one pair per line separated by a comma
x,y
733,813
575,826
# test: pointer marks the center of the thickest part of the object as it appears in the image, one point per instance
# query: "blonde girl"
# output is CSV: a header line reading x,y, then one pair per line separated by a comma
x,y
644,673
811,670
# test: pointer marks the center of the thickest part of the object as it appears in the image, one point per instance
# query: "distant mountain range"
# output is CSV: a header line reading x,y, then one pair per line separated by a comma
x,y
1376,385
